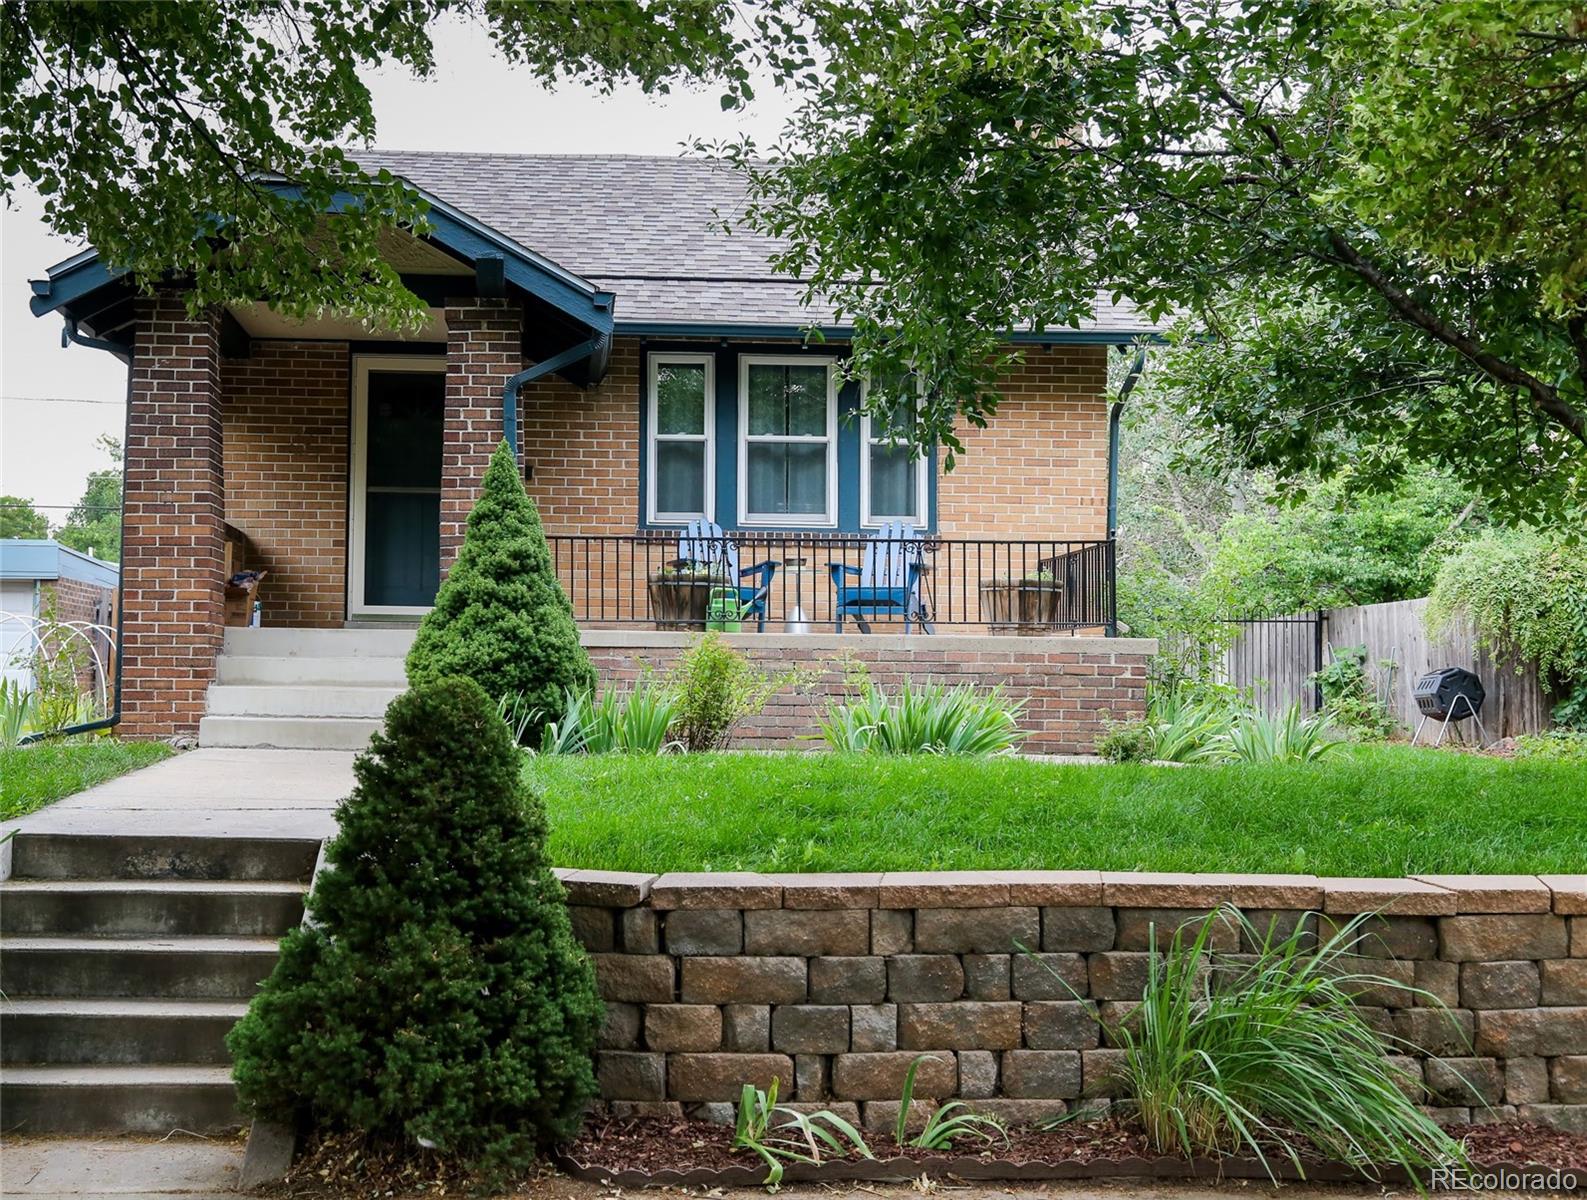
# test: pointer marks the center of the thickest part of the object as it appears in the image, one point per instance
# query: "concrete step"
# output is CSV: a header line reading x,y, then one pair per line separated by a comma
x,y
317,700
337,643
288,733
122,1099
127,856
340,670
78,1032
149,908
197,968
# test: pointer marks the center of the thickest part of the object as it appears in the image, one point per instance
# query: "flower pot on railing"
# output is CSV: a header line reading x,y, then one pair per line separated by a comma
x,y
1027,607
680,597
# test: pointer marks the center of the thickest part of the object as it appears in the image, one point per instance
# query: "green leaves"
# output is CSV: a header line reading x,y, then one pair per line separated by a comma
x,y
1317,191
153,130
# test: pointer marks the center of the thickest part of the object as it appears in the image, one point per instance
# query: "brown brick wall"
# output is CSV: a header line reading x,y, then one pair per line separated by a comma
x,y
1072,687
835,984
1040,467
582,448
483,351
77,600
286,429
174,507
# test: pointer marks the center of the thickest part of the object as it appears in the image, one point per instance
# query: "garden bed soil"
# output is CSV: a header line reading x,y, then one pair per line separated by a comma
x,y
657,1152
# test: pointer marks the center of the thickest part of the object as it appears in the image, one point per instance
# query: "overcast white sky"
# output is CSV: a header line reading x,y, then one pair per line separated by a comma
x,y
473,102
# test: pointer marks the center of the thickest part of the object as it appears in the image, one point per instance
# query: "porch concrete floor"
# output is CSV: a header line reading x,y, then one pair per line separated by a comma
x,y
215,793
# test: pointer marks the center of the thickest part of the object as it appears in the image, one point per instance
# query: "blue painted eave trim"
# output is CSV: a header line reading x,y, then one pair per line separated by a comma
x,y
451,229
842,333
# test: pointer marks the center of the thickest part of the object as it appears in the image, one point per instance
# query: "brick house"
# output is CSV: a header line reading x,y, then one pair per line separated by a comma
x,y
40,579
651,370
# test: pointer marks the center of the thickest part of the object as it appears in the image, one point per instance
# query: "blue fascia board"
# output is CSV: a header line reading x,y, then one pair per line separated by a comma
x,y
69,282
455,231
841,333
45,559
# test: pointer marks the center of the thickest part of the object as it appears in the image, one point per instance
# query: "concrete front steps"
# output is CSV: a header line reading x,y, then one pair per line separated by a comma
x,y
304,689
124,962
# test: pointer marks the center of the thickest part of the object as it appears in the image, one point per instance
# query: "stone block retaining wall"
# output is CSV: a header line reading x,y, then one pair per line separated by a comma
x,y
1072,686
834,984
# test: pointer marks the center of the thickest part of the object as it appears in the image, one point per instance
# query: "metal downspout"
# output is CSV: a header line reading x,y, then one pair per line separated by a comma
x,y
597,348
70,336
1115,415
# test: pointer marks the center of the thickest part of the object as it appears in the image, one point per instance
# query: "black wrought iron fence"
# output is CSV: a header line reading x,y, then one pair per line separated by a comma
x,y
774,581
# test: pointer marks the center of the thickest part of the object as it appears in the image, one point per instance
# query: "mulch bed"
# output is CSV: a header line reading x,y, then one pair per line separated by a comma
x,y
649,1152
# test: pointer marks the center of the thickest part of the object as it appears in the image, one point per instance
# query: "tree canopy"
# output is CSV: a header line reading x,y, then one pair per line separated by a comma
x,y
19,519
94,525
1368,221
153,130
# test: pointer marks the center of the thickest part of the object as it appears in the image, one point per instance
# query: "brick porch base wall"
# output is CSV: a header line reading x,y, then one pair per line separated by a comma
x,y
835,984
1071,687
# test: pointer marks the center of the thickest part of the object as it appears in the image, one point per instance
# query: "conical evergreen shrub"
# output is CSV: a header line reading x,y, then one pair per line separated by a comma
x,y
501,618
437,997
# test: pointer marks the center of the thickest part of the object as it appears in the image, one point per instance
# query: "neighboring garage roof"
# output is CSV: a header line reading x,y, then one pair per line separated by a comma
x,y
646,228
47,559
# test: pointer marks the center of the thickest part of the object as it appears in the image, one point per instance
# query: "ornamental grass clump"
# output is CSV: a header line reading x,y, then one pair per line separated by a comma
x,y
930,719
436,998
500,617
1229,1054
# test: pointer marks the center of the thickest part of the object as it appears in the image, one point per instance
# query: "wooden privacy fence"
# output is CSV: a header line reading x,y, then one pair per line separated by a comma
x,y
1274,658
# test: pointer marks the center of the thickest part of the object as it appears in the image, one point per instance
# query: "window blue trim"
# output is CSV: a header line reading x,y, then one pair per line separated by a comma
x,y
726,449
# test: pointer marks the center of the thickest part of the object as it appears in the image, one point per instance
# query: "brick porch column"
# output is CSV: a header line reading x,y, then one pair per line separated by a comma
x,y
171,555
484,348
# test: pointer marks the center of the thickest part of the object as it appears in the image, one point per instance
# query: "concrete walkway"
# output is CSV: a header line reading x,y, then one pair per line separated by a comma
x,y
239,793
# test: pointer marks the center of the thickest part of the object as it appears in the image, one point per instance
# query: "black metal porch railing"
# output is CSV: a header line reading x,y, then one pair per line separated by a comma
x,y
776,581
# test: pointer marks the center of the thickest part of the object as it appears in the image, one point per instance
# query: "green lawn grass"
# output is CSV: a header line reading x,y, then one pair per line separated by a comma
x,y
1383,811
33,776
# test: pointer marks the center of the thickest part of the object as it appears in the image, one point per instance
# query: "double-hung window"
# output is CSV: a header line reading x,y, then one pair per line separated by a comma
x,y
787,445
681,408
893,484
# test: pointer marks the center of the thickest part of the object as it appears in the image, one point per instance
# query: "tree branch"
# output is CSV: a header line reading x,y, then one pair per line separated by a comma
x,y
1546,398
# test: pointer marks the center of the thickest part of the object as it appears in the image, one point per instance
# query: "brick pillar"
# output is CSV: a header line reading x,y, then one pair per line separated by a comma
x,y
171,553
484,348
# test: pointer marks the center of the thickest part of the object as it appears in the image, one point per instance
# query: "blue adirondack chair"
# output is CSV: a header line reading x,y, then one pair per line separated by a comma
x,y
886,583
704,544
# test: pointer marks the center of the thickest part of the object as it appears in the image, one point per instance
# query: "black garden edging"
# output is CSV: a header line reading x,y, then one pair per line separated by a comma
x,y
981,1169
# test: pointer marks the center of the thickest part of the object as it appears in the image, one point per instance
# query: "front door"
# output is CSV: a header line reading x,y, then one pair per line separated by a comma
x,y
398,414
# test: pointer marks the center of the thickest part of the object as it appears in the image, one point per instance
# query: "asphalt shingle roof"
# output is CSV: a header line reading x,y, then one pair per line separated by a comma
x,y
646,228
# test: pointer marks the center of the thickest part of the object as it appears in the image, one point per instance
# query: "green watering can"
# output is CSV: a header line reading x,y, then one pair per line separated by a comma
x,y
723,612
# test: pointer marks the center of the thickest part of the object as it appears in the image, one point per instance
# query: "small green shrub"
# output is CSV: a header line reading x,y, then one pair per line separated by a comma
x,y
1255,737
501,618
1525,594
947,1124
1127,742
1186,722
804,1137
1556,745
929,719
18,708
1350,696
438,998
639,721
1239,1057
716,688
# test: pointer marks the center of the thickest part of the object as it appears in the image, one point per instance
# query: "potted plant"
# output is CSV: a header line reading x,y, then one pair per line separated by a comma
x,y
1040,596
1027,606
680,593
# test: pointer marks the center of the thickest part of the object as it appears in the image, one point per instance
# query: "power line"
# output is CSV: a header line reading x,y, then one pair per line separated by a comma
x,y
68,507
